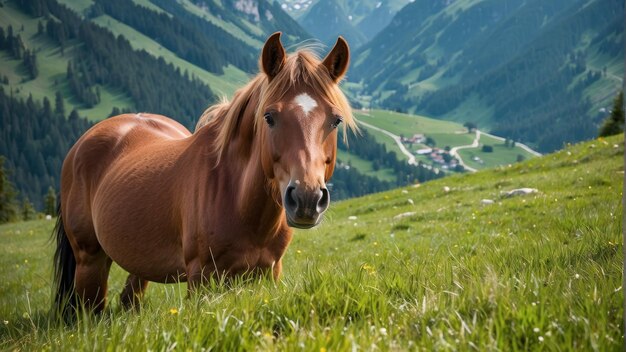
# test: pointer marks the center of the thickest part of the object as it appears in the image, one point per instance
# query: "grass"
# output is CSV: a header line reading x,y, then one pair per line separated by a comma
x,y
365,166
535,272
407,125
501,154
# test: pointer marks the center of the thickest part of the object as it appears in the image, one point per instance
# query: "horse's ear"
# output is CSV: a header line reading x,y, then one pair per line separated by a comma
x,y
273,56
336,62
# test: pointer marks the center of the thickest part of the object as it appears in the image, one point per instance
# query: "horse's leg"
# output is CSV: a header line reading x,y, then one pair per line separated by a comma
x,y
92,272
133,291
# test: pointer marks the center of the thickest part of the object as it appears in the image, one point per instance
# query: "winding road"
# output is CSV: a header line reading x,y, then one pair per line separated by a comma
x,y
453,151
474,144
396,138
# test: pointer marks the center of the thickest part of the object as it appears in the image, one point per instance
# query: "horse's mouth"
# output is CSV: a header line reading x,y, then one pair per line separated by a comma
x,y
303,224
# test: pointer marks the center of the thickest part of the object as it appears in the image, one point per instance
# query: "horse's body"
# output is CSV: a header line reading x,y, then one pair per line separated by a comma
x,y
169,206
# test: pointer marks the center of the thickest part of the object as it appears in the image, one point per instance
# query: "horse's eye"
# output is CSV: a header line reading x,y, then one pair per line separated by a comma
x,y
269,119
338,120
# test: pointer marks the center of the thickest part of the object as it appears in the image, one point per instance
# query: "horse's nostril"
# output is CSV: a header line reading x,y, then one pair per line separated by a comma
x,y
322,204
290,198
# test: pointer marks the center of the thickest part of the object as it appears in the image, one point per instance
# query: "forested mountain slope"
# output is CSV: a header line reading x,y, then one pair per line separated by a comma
x,y
99,58
510,65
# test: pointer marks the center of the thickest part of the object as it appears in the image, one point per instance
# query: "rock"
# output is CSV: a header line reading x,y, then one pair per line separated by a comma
x,y
410,201
404,191
352,217
48,217
404,215
486,202
446,189
519,192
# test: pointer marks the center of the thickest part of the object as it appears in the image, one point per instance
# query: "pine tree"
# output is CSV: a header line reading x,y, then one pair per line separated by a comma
x,y
28,211
50,202
59,106
8,208
614,123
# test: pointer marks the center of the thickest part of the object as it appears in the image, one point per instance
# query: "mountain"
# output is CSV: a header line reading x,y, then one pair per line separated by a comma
x,y
511,66
326,20
357,21
256,19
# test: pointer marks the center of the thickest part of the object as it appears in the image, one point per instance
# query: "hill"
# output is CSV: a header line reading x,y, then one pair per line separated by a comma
x,y
541,271
508,65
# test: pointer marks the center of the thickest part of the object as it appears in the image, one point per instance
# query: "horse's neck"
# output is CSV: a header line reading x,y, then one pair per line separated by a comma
x,y
240,177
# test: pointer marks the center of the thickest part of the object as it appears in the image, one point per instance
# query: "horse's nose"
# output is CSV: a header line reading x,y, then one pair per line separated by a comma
x,y
304,206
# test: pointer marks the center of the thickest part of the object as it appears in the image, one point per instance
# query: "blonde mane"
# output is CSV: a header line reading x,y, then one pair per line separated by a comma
x,y
302,68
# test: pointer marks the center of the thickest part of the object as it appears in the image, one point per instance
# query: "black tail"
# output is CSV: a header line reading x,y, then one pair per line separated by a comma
x,y
64,269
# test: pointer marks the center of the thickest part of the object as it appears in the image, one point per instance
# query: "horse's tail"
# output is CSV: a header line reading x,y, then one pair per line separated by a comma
x,y
64,269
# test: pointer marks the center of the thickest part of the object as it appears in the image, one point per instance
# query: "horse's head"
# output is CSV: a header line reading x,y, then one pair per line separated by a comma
x,y
299,114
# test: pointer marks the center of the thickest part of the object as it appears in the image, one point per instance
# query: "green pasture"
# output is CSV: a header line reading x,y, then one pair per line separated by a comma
x,y
426,268
365,166
501,154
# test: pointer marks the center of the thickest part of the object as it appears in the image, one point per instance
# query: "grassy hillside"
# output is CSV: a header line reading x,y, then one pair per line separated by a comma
x,y
534,272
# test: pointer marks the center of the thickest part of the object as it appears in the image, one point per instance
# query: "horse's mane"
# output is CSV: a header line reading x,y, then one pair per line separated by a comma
x,y
302,67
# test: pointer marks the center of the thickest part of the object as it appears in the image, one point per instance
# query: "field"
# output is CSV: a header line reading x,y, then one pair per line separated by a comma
x,y
501,154
439,272
445,133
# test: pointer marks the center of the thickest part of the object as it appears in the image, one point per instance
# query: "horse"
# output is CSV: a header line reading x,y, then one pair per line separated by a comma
x,y
170,206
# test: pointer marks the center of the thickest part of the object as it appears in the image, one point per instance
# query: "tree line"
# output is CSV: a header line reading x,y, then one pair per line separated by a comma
x,y
14,45
34,138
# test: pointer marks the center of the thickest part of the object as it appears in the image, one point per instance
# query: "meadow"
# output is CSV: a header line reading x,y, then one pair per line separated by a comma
x,y
445,133
418,268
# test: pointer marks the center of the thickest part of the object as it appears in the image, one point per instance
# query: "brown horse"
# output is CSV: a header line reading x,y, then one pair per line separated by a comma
x,y
169,206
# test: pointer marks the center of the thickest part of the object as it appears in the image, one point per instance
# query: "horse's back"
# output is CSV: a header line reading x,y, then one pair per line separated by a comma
x,y
95,171
112,138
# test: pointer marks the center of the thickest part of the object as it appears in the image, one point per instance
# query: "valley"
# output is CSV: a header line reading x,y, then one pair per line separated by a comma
x,y
428,75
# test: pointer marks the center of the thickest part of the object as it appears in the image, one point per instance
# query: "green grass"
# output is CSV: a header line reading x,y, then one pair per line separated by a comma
x,y
501,155
79,6
451,139
535,272
365,166
407,125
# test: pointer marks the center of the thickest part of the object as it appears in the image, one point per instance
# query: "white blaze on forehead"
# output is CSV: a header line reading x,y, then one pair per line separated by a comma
x,y
305,102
